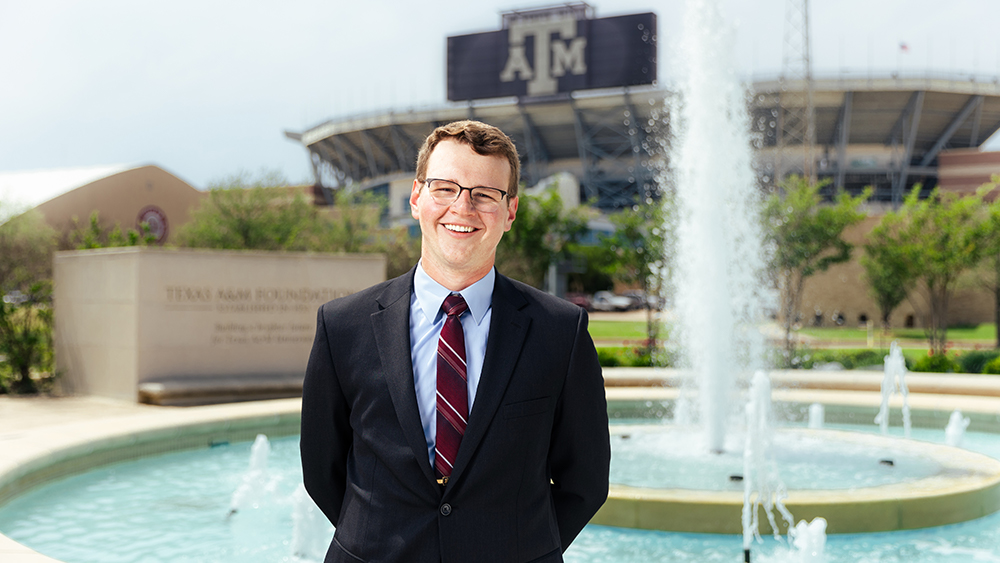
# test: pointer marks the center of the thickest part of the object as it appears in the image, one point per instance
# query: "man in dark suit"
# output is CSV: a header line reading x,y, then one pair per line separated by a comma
x,y
507,464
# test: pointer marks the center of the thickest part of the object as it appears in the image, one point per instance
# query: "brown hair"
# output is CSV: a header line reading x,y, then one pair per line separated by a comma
x,y
485,139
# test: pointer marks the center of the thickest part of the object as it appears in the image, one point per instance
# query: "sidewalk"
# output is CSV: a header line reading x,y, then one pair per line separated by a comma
x,y
26,413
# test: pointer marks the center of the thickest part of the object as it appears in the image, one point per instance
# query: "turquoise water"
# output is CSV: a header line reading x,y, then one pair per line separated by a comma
x,y
675,457
175,508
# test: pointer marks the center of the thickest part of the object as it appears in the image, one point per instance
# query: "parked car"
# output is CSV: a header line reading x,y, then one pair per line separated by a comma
x,y
580,299
607,301
641,300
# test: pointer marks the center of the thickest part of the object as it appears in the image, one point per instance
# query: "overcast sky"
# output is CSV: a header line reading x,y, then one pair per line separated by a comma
x,y
205,88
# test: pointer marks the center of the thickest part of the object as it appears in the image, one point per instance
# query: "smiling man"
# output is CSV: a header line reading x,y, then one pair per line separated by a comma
x,y
453,414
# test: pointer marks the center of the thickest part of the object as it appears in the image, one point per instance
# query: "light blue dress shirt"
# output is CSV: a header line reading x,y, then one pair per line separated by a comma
x,y
426,321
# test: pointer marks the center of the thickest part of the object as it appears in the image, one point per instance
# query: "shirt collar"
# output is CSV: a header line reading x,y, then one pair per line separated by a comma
x,y
431,295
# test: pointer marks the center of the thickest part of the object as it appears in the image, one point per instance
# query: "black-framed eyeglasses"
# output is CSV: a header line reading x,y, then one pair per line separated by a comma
x,y
446,192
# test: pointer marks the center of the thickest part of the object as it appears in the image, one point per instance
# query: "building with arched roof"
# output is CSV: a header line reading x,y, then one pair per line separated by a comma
x,y
121,195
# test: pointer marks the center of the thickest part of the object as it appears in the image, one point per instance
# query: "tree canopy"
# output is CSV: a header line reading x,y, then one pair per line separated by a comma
x,y
805,236
635,255
246,212
543,232
26,246
940,239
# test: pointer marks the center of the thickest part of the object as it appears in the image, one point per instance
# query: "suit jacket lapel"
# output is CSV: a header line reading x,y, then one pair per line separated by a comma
x,y
508,327
392,336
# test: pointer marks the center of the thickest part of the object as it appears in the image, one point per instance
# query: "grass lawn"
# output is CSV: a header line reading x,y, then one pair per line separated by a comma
x,y
848,345
617,331
983,335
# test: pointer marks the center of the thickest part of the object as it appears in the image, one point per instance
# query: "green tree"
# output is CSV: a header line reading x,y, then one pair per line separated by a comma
x,y
806,237
244,212
96,235
889,266
943,237
636,254
26,247
989,267
353,224
26,337
542,233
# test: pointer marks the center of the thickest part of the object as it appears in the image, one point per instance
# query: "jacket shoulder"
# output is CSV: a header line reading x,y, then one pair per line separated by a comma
x,y
552,305
371,298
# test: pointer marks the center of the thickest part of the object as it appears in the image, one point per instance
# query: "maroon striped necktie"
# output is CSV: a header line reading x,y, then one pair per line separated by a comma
x,y
452,390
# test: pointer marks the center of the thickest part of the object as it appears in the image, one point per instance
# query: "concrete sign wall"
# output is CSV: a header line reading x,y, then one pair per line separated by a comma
x,y
133,316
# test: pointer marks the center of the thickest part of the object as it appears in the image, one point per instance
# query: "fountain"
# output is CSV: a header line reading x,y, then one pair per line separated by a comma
x,y
717,272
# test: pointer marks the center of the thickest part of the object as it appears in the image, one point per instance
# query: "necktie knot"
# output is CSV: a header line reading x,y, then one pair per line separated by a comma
x,y
454,305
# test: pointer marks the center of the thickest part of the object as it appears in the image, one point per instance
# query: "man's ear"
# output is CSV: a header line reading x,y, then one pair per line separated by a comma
x,y
511,213
414,195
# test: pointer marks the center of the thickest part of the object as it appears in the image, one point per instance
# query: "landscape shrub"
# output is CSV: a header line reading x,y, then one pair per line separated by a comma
x,y
624,357
935,363
608,357
806,358
975,361
993,366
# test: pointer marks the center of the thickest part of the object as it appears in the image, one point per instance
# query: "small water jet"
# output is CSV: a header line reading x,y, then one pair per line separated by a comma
x,y
762,488
816,416
955,431
310,528
809,541
255,483
894,379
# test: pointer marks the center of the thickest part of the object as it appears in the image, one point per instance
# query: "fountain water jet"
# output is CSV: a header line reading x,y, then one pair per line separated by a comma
x,y
894,376
718,257
255,482
761,486
955,431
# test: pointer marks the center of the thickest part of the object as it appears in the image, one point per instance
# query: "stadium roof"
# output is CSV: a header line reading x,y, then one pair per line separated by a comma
x,y
606,133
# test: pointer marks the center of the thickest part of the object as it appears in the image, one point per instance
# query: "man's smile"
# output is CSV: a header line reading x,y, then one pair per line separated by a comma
x,y
459,228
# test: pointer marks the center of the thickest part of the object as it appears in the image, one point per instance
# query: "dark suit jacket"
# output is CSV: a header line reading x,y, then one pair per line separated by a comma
x,y
532,468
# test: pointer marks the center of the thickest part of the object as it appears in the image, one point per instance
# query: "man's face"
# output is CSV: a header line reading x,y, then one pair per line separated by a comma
x,y
459,242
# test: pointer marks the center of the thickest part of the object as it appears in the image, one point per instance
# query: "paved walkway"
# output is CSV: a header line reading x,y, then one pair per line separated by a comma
x,y
23,413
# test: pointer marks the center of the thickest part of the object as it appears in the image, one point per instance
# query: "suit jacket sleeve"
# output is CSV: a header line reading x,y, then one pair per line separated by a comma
x,y
326,434
580,453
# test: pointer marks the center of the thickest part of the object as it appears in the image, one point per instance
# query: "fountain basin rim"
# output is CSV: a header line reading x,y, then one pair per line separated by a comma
x,y
968,487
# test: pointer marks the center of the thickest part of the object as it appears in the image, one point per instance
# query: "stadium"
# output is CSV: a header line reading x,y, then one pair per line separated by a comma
x,y
580,97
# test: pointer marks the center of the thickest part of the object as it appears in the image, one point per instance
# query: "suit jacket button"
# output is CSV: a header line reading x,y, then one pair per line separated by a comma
x,y
445,509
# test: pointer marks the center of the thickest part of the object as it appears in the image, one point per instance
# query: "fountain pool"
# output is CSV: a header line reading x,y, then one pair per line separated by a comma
x,y
174,508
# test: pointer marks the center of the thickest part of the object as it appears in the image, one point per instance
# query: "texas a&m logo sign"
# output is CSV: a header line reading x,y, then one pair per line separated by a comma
x,y
547,54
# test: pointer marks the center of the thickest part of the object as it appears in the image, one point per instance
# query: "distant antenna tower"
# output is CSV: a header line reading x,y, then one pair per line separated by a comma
x,y
797,126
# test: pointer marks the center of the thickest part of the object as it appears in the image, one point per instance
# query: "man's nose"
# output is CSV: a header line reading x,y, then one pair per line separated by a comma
x,y
464,201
